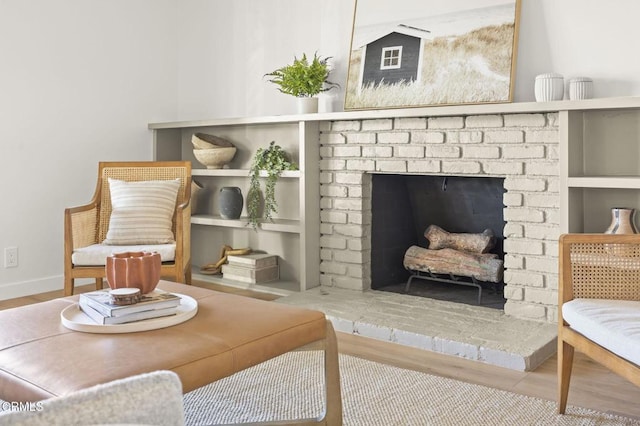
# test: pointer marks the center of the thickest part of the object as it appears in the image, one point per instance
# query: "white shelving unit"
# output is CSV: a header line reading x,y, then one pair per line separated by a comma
x,y
292,235
599,158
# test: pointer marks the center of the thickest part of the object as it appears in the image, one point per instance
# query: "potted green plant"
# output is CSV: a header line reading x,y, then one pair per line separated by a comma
x,y
272,160
304,79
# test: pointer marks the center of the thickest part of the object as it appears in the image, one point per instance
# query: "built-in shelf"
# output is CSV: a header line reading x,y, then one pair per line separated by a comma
x,y
621,182
278,225
240,173
278,287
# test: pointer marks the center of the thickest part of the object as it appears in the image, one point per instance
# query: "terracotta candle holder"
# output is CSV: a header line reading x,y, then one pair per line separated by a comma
x,y
134,269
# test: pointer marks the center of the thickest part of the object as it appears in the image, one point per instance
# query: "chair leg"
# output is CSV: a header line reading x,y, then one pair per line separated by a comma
x,y
187,274
99,284
68,285
565,362
333,396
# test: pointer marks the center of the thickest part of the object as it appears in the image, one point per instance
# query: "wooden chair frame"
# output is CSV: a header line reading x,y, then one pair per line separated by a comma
x,y
88,224
588,274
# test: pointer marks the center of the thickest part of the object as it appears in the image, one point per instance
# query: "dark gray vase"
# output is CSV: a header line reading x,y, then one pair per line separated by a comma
x,y
230,202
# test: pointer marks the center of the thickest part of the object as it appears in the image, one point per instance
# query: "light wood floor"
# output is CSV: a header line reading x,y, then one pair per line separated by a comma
x,y
592,386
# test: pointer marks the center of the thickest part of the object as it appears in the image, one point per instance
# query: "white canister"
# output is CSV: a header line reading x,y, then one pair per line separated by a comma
x,y
549,87
580,88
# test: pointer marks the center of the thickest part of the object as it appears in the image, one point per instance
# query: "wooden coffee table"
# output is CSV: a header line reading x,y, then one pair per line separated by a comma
x,y
40,358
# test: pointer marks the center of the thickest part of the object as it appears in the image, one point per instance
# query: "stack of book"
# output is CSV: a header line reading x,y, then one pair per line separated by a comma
x,y
251,268
97,306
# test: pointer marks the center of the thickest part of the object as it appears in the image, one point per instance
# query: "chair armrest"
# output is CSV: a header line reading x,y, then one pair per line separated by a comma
x,y
183,232
599,266
80,226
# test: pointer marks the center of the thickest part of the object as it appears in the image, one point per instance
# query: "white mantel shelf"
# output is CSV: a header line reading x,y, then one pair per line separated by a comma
x,y
434,111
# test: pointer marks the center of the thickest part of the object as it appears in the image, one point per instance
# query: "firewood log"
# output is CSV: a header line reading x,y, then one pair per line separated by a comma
x,y
483,267
474,243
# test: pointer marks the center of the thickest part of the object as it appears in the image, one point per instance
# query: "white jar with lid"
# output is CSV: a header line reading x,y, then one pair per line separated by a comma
x,y
580,88
549,87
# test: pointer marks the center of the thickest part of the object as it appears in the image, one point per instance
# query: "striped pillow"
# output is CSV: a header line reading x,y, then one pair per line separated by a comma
x,y
142,212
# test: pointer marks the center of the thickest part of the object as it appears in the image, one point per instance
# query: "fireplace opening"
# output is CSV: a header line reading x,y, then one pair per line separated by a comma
x,y
404,206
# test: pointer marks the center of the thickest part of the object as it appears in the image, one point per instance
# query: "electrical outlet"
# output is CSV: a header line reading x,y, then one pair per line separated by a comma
x,y
11,257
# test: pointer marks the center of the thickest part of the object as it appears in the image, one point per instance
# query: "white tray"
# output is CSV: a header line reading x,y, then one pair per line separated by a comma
x,y
73,318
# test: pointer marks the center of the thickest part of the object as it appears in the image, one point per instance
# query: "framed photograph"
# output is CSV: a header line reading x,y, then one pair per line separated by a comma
x,y
407,53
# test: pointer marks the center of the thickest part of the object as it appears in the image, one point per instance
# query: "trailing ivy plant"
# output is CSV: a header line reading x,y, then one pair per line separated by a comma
x,y
274,161
303,78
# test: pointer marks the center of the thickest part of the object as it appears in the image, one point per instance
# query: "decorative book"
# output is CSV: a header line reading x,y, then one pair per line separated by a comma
x,y
101,302
123,319
250,275
254,260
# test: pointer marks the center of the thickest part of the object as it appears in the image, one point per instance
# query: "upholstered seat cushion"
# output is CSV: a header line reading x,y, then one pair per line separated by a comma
x,y
613,324
96,254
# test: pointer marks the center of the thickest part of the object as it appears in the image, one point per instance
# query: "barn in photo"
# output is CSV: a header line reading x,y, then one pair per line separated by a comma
x,y
393,56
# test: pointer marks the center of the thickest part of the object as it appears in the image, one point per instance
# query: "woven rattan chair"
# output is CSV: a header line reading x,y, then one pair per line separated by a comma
x,y
86,226
599,297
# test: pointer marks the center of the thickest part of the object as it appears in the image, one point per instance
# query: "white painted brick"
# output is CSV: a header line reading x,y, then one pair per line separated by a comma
x,y
355,272
542,232
393,137
543,200
503,167
551,248
333,268
377,152
551,281
414,340
359,244
391,166
543,168
326,229
526,151
333,191
423,166
512,183
332,139
373,331
350,256
427,137
523,215
339,126
364,165
346,151
530,247
342,325
324,126
525,120
446,123
484,121
543,296
552,119
381,124
513,230
525,310
464,167
359,218
553,152
552,216
333,216
512,199
460,349
438,151
326,254
345,204
361,138
542,264
481,152
349,178
553,184
326,177
503,359
326,203
552,314
464,137
348,283
349,230
507,136
355,192
409,151
513,292
410,123
326,280
542,136
332,164
512,261
333,242
326,151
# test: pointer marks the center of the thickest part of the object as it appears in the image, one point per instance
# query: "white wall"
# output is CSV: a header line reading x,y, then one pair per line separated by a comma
x,y
572,37
79,81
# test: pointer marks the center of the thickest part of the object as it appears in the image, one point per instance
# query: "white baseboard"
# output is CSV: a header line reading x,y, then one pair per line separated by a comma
x,y
28,288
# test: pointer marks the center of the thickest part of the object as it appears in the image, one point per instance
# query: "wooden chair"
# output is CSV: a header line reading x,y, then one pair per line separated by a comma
x,y
87,226
599,274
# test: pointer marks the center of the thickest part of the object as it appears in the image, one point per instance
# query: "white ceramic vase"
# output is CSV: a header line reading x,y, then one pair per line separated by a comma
x,y
549,87
580,88
307,105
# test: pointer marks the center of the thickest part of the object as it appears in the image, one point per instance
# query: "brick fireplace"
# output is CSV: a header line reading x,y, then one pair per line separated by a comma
x,y
520,148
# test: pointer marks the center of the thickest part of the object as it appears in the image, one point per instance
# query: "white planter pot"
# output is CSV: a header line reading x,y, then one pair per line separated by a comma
x,y
307,105
580,88
549,87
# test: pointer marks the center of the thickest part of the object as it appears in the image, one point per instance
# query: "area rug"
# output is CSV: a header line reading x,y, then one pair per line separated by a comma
x,y
375,394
